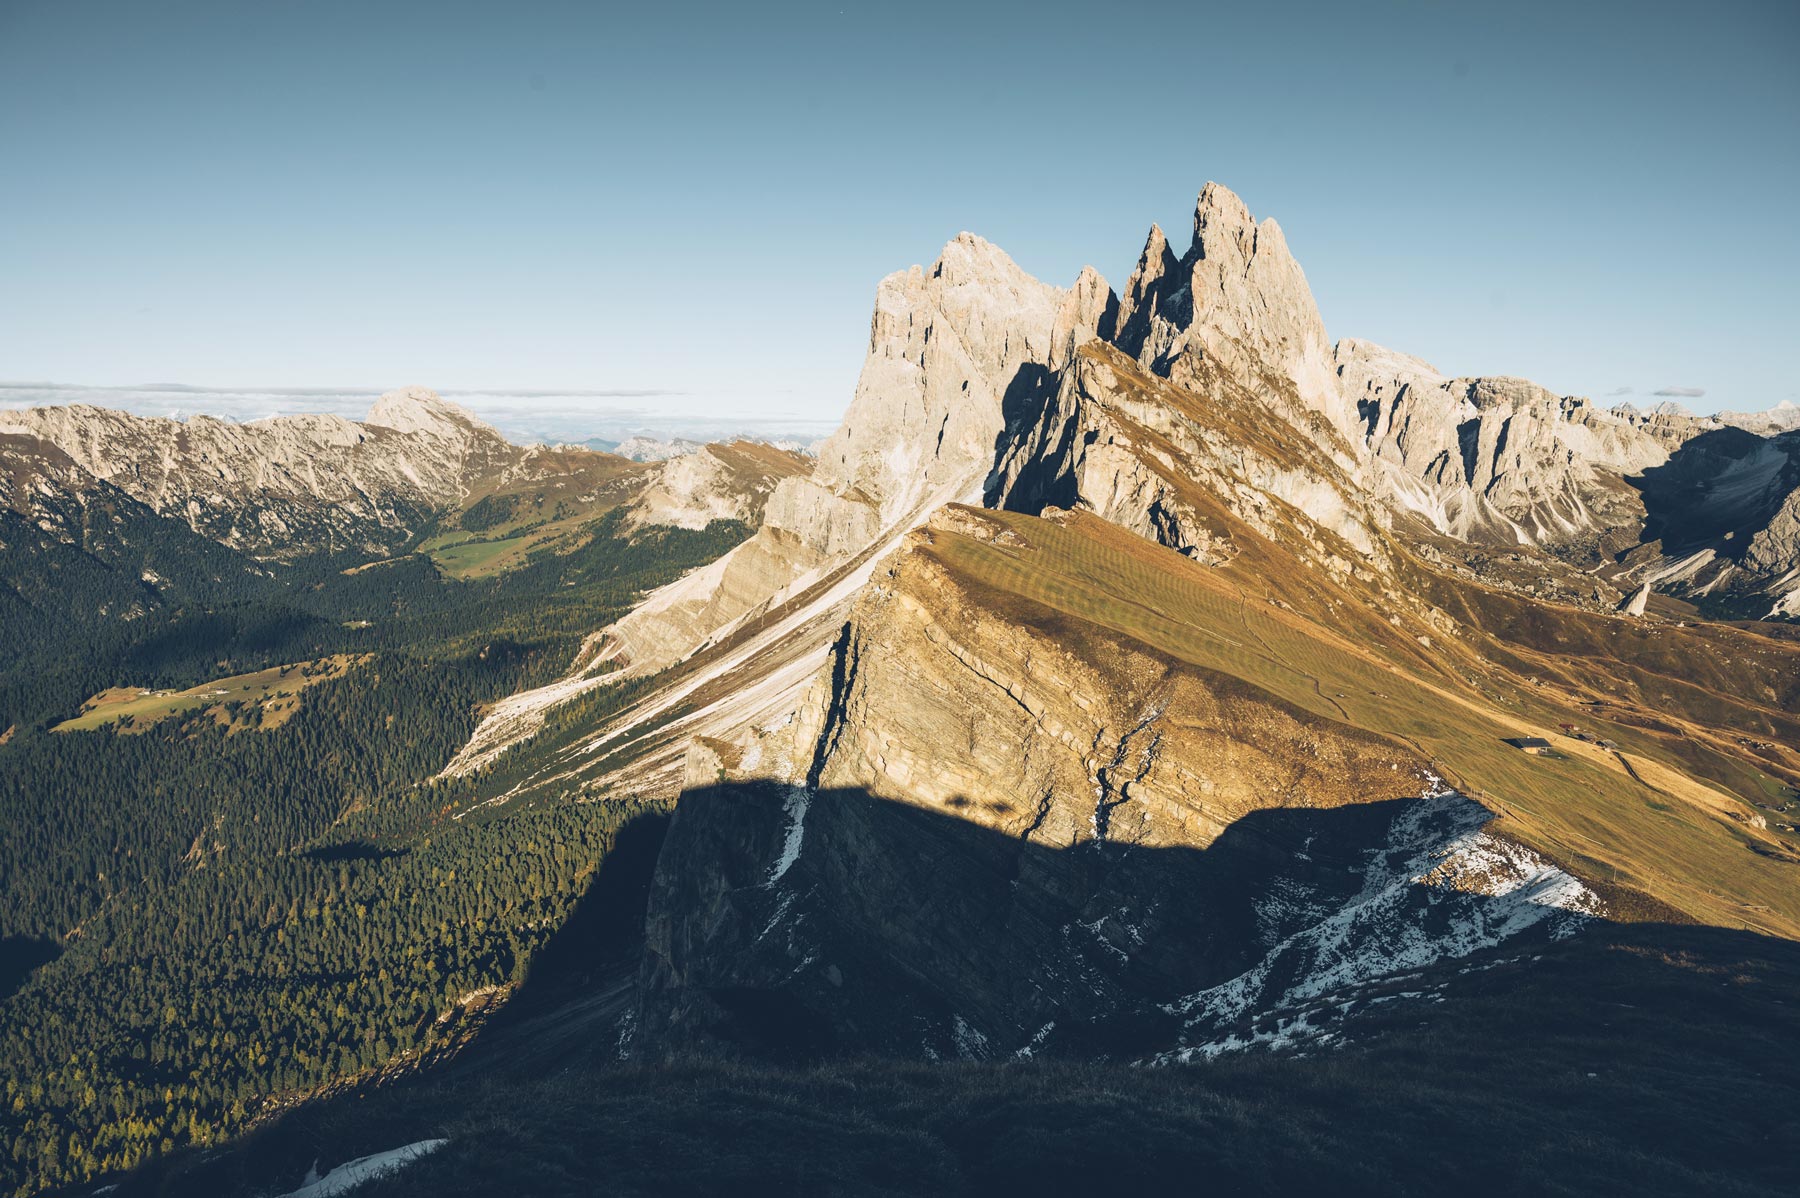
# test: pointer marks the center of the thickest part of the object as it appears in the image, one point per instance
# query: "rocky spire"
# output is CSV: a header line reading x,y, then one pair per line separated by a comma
x,y
1251,304
1158,273
1089,310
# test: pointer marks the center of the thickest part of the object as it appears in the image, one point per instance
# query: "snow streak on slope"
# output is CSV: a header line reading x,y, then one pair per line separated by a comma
x,y
351,1174
1441,887
794,810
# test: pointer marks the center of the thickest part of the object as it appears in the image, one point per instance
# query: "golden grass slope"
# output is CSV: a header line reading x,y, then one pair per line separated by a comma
x,y
1656,829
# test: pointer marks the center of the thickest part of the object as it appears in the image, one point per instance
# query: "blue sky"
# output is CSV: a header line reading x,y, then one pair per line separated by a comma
x,y
699,199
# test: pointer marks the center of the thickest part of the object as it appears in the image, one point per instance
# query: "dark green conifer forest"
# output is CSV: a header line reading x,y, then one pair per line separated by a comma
x,y
208,919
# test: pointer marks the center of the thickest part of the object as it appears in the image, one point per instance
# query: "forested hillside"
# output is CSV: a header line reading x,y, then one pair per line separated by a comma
x,y
209,917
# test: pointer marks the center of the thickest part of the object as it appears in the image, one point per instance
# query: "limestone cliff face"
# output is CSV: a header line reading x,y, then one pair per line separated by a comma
x,y
1498,459
1723,521
1238,300
948,346
943,697
285,486
945,347
1775,548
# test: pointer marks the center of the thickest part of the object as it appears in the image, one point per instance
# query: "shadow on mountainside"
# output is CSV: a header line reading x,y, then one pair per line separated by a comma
x,y
1727,482
1023,407
20,956
580,985
856,924
1640,1059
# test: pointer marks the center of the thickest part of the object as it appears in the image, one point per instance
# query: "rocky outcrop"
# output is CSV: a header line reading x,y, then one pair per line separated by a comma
x,y
1775,547
1167,462
1723,521
950,347
946,348
726,481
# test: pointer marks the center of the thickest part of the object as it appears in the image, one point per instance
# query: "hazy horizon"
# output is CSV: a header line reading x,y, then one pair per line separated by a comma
x,y
699,199
523,415
527,415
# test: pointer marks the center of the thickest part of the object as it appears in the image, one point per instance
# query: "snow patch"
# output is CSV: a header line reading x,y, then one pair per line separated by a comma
x,y
351,1174
1440,888
1029,1050
971,1045
798,799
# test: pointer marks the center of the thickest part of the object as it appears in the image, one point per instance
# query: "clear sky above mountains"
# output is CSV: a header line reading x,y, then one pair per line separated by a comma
x,y
699,198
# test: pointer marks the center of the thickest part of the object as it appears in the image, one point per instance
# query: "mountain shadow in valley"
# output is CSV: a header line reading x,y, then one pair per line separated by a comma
x,y
1633,1059
795,929
581,984
20,956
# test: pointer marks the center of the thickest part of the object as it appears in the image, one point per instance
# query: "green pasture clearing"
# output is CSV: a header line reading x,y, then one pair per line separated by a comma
x,y
134,709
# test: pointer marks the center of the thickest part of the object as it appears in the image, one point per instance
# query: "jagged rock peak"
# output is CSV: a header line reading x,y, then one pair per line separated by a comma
x,y
1157,259
1237,300
968,258
1144,289
1220,212
422,410
1089,310
945,346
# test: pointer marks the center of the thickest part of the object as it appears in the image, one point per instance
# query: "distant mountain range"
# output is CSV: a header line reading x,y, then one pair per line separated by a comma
x,y
526,417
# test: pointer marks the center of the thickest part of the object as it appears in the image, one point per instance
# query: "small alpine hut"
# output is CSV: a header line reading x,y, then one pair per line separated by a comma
x,y
1536,745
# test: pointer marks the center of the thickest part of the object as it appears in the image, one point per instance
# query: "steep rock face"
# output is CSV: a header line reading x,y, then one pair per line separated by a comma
x,y
1155,458
1497,459
288,485
947,347
1670,425
1013,833
1775,549
1239,300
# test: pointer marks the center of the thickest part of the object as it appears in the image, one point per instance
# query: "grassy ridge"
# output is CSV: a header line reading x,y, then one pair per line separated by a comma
x,y
1668,840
